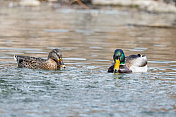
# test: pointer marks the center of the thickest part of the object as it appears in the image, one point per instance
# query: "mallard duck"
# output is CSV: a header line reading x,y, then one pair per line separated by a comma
x,y
54,61
132,63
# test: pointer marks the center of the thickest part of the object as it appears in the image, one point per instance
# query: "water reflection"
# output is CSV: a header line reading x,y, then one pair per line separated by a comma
x,y
85,88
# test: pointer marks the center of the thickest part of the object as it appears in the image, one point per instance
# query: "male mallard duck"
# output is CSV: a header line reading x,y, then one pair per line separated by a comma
x,y
54,61
132,63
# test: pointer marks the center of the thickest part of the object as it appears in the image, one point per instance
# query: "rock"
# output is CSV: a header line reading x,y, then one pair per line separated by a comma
x,y
52,0
29,3
112,2
150,5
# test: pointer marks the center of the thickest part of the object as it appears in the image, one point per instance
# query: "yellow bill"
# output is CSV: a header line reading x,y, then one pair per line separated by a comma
x,y
116,65
61,63
60,59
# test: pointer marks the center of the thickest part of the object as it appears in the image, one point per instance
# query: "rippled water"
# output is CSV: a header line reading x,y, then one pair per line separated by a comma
x,y
88,39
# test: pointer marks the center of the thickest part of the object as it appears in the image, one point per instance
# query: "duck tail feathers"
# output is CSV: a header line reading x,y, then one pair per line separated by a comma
x,y
15,57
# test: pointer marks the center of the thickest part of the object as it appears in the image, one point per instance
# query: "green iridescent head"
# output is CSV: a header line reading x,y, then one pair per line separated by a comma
x,y
119,54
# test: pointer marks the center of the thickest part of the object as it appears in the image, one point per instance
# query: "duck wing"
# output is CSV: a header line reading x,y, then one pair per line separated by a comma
x,y
136,60
29,62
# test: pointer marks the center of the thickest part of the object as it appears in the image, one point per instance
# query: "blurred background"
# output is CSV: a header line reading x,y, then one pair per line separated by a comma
x,y
88,32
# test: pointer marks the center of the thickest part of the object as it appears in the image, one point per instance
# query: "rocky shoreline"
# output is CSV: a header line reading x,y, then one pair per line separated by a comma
x,y
149,5
166,6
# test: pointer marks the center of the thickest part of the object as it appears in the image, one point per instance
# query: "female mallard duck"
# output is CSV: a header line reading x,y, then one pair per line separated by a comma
x,y
54,61
132,63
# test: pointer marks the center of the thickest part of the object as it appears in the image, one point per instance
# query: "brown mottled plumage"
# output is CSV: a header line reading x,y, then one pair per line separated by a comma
x,y
54,61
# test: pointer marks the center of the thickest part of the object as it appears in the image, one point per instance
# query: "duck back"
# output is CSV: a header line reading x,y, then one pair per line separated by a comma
x,y
29,62
137,63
